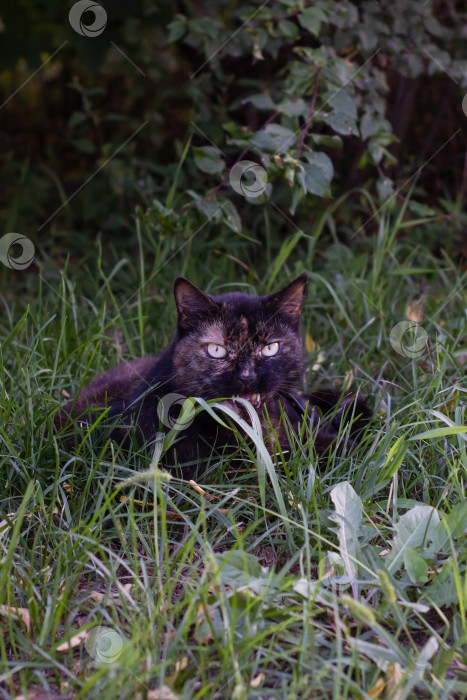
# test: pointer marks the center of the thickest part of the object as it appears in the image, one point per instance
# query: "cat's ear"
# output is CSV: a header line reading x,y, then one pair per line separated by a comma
x,y
191,301
288,301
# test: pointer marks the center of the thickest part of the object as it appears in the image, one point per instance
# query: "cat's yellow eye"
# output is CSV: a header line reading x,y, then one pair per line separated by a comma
x,y
270,350
217,351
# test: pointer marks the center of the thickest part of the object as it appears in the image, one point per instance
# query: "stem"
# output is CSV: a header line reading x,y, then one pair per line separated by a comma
x,y
310,115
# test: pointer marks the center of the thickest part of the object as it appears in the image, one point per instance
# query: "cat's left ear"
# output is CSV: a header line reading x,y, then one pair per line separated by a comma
x,y
191,302
288,301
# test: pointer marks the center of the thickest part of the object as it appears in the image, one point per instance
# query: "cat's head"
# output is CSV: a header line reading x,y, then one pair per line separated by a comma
x,y
236,344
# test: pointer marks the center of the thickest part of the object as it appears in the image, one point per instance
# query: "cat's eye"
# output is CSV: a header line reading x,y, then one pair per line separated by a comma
x,y
270,350
217,351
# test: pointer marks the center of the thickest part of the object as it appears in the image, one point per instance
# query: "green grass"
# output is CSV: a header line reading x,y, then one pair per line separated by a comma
x,y
228,590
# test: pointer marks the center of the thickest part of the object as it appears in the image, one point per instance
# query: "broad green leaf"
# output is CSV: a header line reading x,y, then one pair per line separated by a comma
x,y
311,19
416,566
327,140
211,208
348,516
242,571
340,101
294,108
83,145
371,124
342,123
385,187
287,29
455,522
261,101
317,174
209,159
317,57
443,589
275,138
231,216
415,529
177,28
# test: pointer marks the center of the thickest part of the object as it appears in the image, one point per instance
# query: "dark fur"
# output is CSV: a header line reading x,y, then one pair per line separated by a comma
x,y
243,324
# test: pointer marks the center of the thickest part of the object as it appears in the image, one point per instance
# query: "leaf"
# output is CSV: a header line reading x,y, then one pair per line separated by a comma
x,y
73,641
275,138
443,590
208,159
231,216
385,187
455,521
371,124
177,28
77,118
211,208
327,140
242,571
342,123
394,680
441,432
343,103
415,529
377,689
293,108
317,174
428,651
209,623
348,516
416,566
414,310
261,101
83,145
22,613
378,653
311,19
287,29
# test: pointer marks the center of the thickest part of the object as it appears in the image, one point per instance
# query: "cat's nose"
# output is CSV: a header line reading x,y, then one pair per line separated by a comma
x,y
247,375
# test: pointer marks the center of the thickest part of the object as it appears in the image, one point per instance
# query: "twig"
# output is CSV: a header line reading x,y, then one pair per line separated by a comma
x,y
310,116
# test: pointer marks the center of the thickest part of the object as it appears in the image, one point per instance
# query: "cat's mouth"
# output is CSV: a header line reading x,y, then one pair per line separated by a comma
x,y
255,399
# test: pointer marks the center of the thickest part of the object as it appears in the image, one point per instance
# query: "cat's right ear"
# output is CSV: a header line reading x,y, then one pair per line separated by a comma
x,y
191,301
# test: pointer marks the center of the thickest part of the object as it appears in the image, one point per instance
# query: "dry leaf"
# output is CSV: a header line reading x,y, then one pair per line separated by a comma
x,y
120,528
377,689
310,344
197,488
75,641
394,676
318,364
22,613
414,310
180,665
255,682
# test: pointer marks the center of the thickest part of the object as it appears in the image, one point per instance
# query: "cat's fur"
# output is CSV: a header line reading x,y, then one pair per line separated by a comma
x,y
243,325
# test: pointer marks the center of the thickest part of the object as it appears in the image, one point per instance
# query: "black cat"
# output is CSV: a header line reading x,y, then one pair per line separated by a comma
x,y
226,346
